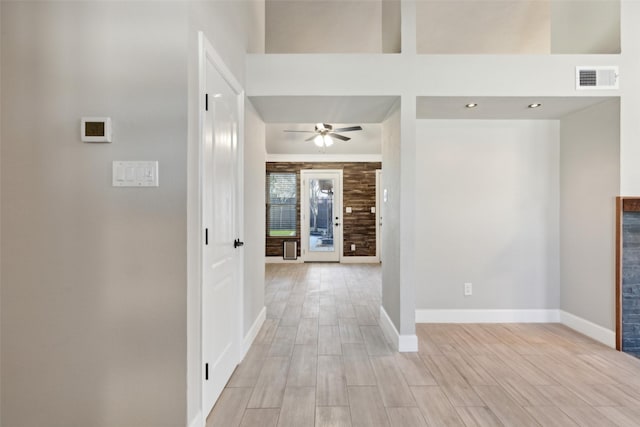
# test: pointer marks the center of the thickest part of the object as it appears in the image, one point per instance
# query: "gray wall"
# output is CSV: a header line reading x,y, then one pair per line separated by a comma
x,y
391,216
487,213
589,183
94,277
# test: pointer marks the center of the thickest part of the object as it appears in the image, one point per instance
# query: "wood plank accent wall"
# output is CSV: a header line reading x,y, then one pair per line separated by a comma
x,y
359,192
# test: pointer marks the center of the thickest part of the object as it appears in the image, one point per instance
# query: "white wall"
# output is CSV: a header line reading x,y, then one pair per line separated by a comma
x,y
254,214
391,216
487,213
590,181
233,28
94,277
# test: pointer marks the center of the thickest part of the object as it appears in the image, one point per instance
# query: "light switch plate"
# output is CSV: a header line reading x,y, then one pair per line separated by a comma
x,y
373,209
348,209
135,174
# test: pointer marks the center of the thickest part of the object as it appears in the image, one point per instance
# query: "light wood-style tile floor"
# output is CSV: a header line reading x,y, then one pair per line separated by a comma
x,y
321,359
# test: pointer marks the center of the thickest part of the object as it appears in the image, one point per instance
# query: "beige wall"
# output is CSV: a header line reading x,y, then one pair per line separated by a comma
x,y
483,27
391,27
585,26
518,27
590,181
94,277
325,26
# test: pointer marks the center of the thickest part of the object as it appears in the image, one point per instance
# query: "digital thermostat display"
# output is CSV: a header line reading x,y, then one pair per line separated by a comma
x,y
95,129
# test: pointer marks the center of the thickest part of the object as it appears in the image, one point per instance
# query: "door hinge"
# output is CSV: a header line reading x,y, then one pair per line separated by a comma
x,y
206,102
206,236
206,371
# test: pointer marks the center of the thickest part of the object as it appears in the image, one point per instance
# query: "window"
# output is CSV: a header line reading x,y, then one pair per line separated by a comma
x,y
281,204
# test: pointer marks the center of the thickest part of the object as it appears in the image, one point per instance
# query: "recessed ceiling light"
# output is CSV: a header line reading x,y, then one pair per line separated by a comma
x,y
471,105
535,105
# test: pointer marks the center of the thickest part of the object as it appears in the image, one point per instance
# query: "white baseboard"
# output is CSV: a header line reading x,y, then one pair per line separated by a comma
x,y
585,327
588,328
403,343
280,260
197,421
360,260
487,316
253,332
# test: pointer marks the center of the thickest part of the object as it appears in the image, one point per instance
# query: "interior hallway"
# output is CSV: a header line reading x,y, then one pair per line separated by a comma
x,y
321,359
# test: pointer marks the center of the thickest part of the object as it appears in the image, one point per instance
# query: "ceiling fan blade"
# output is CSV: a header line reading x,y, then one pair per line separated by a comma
x,y
348,129
340,137
311,138
303,131
323,127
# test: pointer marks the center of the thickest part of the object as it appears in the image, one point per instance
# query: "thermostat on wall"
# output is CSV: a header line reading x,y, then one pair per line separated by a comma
x,y
95,129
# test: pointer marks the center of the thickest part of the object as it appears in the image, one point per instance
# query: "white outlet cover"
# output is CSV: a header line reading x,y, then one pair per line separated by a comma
x,y
468,289
348,209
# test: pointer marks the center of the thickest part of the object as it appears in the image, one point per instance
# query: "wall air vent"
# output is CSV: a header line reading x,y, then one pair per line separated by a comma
x,y
290,250
596,77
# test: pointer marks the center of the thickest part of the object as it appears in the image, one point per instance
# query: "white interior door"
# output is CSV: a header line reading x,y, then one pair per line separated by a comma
x,y
321,215
221,281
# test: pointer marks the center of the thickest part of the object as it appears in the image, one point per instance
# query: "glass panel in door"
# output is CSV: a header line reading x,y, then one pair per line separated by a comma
x,y
321,196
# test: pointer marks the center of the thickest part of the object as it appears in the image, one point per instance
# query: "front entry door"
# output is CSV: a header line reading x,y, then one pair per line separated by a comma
x,y
220,259
321,215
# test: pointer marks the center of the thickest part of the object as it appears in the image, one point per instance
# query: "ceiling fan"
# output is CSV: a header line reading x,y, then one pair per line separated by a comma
x,y
324,134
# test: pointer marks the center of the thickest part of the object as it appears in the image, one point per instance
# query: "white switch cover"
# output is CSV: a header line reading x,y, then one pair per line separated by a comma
x,y
373,209
135,174
348,209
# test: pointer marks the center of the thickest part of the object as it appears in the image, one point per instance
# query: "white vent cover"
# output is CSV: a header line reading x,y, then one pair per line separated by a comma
x,y
596,77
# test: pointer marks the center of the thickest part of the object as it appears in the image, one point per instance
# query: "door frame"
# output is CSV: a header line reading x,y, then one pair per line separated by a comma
x,y
378,215
206,50
304,204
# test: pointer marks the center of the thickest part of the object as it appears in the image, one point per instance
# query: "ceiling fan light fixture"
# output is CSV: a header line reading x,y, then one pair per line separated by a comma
x,y
318,140
328,141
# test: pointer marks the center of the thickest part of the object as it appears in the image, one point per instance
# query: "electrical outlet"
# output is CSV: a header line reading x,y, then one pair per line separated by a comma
x,y
468,289
353,247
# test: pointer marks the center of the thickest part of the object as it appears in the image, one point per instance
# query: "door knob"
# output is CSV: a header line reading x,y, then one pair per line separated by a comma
x,y
237,243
